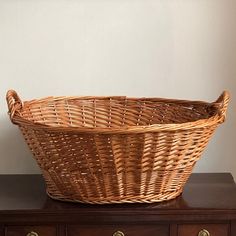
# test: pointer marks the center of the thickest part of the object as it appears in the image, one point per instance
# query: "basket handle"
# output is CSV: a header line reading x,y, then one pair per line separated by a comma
x,y
221,104
14,103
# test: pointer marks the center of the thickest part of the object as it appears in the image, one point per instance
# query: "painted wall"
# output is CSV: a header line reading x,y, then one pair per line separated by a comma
x,y
164,48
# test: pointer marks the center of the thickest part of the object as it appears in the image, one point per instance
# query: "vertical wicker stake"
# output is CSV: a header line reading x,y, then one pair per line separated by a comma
x,y
116,149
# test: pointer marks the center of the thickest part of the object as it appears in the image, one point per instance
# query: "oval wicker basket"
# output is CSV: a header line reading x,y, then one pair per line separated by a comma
x,y
116,149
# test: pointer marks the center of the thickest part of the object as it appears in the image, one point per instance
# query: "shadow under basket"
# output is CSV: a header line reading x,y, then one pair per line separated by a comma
x,y
116,149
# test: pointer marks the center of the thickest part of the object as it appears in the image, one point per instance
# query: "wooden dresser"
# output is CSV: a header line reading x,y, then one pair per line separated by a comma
x,y
207,207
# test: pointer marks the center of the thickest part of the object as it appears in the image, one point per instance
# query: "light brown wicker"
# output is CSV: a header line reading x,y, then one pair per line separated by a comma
x,y
116,149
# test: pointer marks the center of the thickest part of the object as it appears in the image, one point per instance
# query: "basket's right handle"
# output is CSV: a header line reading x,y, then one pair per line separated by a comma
x,y
222,103
14,103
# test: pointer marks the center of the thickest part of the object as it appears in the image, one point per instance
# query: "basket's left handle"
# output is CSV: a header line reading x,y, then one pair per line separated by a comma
x,y
14,103
222,103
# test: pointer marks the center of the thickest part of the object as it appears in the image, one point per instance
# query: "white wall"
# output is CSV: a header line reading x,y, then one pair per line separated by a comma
x,y
163,48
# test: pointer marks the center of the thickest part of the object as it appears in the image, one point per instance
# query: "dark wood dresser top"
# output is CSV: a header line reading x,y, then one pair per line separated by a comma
x,y
202,191
211,192
208,204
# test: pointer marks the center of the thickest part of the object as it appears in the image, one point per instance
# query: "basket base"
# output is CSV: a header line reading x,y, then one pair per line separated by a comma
x,y
136,199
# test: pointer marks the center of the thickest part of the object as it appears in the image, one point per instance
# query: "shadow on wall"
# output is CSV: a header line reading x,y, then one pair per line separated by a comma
x,y
16,152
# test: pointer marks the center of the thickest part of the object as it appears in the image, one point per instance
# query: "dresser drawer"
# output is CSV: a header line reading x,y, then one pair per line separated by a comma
x,y
30,231
203,230
118,230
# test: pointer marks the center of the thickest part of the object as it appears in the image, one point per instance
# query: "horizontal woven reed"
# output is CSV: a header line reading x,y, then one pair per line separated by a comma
x,y
116,149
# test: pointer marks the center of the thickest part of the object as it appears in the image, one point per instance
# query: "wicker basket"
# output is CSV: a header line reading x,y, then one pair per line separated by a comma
x,y
116,149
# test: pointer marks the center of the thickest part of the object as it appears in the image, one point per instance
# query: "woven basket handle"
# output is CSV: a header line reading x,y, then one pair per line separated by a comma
x,y
14,103
221,104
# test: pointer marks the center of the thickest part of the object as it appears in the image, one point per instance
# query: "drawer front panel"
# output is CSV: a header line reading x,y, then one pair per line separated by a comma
x,y
147,230
203,230
30,231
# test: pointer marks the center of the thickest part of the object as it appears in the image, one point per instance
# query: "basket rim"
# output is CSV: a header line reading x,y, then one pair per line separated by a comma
x,y
202,123
213,120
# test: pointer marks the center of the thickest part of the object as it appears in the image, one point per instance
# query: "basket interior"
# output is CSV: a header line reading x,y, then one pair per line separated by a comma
x,y
113,112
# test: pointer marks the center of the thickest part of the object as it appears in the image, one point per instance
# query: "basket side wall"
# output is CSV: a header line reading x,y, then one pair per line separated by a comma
x,y
103,168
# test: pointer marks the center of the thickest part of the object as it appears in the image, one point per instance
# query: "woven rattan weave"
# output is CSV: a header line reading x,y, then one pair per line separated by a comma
x,y
116,149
